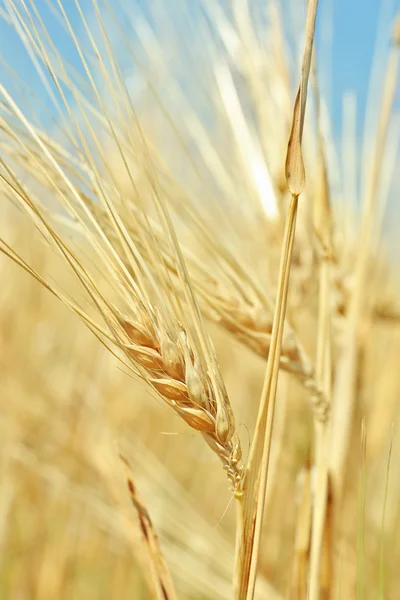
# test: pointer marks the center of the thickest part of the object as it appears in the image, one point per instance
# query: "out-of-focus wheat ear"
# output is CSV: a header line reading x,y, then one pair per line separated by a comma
x,y
163,586
257,472
345,392
322,217
293,357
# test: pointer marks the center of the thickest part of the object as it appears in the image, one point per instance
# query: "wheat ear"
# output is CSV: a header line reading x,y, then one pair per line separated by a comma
x,y
230,305
157,342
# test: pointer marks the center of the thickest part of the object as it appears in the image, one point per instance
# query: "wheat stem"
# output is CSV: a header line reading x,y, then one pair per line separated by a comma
x,y
257,471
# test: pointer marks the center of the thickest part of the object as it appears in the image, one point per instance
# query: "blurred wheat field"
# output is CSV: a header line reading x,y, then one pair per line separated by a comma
x,y
203,135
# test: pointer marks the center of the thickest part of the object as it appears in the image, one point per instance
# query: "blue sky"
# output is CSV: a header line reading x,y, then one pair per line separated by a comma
x,y
353,24
346,35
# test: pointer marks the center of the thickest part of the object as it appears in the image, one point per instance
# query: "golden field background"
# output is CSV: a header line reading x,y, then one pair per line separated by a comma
x,y
67,409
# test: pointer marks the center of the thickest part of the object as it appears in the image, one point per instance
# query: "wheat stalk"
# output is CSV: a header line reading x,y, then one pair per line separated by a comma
x,y
257,471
